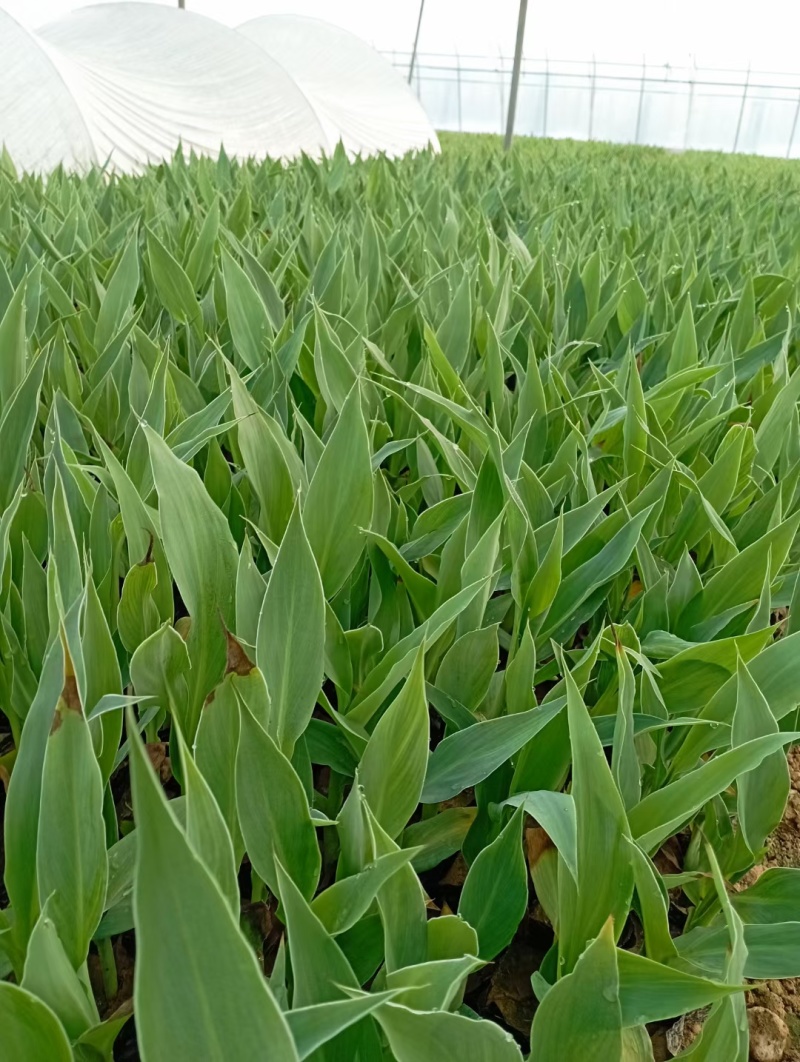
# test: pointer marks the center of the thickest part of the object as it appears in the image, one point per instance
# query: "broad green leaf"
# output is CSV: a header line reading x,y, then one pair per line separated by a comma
x,y
273,810
159,667
495,893
684,344
454,332
247,315
71,863
30,1028
290,640
342,904
49,975
322,974
470,755
772,898
16,427
653,908
13,343
420,1036
545,583
772,950
769,436
137,614
201,257
450,937
173,286
120,292
313,1026
206,831
102,677
635,427
466,670
336,374
23,802
267,459
339,502
555,813
650,991
585,905
438,837
216,747
392,769
624,758
591,990
520,674
662,812
397,662
576,587
198,989
203,560
250,590
432,985
402,906
761,793
727,1033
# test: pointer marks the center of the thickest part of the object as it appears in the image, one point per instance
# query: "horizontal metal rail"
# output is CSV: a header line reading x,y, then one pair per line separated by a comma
x,y
758,109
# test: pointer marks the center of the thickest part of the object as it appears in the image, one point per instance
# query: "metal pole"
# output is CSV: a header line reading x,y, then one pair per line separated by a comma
x,y
546,92
512,99
689,108
416,41
458,84
741,111
591,97
794,128
641,100
501,66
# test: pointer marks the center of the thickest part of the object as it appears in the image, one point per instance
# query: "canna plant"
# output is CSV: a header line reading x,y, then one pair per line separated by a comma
x,y
399,562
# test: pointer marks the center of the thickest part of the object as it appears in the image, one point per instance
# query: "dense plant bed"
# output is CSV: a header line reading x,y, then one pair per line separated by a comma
x,y
398,655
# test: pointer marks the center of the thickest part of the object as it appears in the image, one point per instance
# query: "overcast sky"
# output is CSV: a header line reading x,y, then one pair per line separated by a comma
x,y
715,32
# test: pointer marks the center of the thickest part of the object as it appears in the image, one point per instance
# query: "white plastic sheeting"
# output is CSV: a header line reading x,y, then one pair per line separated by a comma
x,y
147,78
124,84
357,95
40,122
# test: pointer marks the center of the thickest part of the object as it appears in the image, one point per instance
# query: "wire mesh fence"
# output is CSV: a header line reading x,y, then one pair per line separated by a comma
x,y
678,107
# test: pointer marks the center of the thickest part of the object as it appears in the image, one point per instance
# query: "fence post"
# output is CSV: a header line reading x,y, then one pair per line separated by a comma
x,y
458,88
741,111
592,94
794,128
641,100
416,44
515,73
690,107
502,83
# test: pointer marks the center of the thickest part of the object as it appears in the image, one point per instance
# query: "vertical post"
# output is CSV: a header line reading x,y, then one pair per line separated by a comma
x,y
458,86
416,41
690,108
501,65
641,101
546,92
592,92
512,99
741,111
794,128
182,4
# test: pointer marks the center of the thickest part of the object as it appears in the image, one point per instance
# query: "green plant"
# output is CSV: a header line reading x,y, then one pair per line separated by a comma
x,y
413,509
